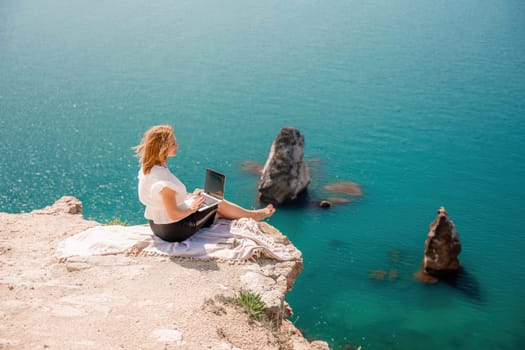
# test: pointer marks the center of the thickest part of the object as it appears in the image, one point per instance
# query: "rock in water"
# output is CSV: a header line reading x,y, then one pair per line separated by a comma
x,y
285,174
442,247
325,203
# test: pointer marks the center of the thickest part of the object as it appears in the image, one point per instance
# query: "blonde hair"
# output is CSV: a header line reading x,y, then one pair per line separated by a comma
x,y
153,149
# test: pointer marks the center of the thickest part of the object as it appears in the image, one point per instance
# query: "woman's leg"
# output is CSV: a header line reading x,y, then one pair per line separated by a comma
x,y
231,211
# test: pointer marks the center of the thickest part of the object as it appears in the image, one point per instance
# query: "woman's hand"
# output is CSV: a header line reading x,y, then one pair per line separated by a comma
x,y
197,192
196,202
172,208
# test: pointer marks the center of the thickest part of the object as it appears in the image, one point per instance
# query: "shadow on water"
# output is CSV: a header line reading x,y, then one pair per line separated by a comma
x,y
466,283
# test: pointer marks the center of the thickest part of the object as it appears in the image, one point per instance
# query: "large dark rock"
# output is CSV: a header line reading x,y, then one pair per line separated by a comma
x,y
285,174
442,247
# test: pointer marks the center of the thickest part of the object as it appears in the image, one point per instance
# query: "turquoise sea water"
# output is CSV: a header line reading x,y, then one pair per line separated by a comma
x,y
420,102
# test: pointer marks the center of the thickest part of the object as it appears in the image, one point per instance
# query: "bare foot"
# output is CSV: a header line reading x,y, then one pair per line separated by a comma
x,y
263,213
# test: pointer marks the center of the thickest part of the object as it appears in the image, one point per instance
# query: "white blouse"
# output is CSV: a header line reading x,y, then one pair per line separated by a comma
x,y
151,185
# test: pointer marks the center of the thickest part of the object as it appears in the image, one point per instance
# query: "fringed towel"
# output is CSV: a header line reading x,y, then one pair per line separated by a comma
x,y
227,240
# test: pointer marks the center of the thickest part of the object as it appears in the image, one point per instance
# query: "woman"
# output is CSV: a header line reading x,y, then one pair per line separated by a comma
x,y
164,195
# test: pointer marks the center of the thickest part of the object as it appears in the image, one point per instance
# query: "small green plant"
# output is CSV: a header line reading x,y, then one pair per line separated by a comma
x,y
252,304
116,221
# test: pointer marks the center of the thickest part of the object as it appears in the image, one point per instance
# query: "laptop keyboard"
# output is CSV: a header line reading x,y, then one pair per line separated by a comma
x,y
209,201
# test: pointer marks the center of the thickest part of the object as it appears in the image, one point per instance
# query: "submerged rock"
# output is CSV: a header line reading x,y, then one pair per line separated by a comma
x,y
377,274
285,174
344,187
252,167
424,277
381,275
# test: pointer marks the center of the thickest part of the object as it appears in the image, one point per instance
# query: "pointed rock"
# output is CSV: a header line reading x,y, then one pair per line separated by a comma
x,y
442,247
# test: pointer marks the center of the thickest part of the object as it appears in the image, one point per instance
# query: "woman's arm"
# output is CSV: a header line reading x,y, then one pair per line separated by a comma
x,y
170,203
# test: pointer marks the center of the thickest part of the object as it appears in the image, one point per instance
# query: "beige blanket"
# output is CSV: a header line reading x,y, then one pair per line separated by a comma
x,y
237,240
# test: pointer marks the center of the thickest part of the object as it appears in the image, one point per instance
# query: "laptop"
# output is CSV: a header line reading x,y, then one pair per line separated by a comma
x,y
213,189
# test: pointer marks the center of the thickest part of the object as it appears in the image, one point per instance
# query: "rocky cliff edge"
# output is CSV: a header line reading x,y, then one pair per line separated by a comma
x,y
130,302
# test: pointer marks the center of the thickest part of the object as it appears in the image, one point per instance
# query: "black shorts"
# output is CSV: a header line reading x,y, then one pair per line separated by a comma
x,y
181,230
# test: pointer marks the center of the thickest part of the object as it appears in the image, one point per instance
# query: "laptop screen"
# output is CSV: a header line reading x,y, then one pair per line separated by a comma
x,y
214,183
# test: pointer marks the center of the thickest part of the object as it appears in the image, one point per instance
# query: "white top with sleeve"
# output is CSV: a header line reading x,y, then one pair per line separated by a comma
x,y
149,188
